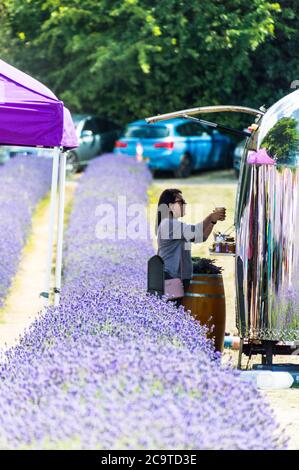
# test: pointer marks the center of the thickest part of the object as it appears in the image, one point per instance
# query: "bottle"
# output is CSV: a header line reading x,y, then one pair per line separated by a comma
x,y
232,342
218,247
236,343
228,341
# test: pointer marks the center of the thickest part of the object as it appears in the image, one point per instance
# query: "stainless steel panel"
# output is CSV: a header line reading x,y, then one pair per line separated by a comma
x,y
267,229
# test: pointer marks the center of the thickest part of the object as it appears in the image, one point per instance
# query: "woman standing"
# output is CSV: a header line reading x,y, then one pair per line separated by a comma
x,y
175,237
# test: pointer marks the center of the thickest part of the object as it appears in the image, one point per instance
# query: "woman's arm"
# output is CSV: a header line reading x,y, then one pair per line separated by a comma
x,y
210,221
200,232
208,226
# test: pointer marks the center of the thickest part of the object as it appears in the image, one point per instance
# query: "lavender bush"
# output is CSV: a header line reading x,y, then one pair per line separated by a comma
x,y
205,266
114,368
24,180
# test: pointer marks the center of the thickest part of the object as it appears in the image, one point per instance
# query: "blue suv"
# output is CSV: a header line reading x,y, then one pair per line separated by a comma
x,y
179,145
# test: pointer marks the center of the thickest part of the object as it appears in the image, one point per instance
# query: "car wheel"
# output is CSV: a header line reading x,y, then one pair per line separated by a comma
x,y
185,168
72,163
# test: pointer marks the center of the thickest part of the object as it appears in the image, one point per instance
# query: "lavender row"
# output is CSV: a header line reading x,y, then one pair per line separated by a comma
x,y
24,180
114,368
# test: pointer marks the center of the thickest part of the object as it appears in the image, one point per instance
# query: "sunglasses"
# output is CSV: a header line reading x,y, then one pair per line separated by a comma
x,y
181,201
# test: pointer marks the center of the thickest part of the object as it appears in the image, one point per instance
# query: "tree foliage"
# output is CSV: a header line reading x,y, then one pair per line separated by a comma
x,y
133,58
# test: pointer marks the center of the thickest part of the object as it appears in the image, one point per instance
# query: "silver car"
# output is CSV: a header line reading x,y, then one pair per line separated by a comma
x,y
96,136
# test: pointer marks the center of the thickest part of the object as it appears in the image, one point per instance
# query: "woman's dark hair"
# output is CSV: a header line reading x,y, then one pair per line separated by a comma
x,y
167,197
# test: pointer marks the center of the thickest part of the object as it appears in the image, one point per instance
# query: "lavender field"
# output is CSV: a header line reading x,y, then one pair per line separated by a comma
x,y
24,181
114,368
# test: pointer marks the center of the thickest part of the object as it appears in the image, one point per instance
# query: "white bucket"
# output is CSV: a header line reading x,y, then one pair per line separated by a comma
x,y
268,380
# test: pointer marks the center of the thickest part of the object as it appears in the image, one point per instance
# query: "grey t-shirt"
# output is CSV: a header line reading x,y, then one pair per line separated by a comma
x,y
174,244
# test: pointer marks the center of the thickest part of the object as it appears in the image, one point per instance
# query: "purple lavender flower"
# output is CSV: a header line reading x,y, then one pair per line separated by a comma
x,y
24,180
115,368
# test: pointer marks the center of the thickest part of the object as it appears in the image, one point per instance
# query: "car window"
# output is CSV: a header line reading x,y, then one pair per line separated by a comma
x,y
146,132
183,130
196,129
91,125
191,129
101,125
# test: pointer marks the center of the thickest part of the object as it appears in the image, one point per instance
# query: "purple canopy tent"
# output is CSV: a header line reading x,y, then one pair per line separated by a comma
x,y
31,115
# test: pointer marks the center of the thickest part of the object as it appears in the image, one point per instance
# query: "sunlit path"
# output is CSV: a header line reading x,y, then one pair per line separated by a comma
x,y
23,303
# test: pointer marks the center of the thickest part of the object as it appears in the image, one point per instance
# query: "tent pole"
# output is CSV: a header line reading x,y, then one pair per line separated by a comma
x,y
46,293
58,267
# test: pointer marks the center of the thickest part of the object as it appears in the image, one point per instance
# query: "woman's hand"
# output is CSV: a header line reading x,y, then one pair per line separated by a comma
x,y
219,213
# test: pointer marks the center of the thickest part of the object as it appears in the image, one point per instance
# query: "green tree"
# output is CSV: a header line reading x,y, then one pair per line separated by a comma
x,y
275,64
282,141
134,58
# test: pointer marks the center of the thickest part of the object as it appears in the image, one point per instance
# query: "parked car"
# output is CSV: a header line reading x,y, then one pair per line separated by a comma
x,y
96,136
179,145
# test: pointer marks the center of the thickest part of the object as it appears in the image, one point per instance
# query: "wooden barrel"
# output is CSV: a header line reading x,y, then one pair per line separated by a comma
x,y
206,300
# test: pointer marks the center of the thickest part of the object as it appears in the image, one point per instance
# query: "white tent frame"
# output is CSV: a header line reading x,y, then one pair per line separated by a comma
x,y
58,182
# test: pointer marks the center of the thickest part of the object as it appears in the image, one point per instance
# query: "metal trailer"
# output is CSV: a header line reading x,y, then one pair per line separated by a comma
x,y
267,229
